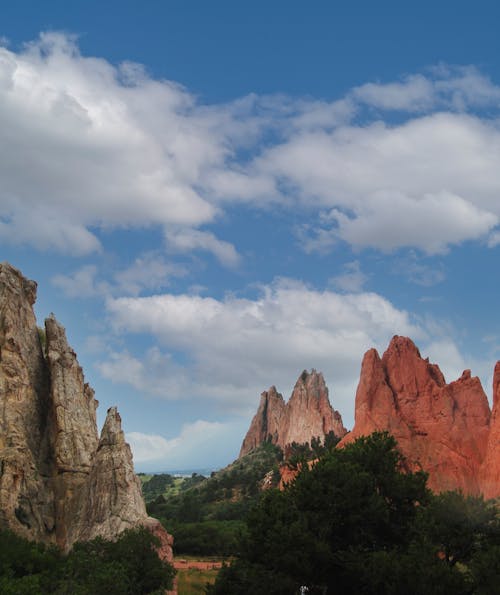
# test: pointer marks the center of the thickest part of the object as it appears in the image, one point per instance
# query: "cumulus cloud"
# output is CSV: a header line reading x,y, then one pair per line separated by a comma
x,y
237,347
429,183
87,145
186,240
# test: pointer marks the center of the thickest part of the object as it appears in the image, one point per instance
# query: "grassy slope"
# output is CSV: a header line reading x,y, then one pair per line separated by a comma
x,y
206,514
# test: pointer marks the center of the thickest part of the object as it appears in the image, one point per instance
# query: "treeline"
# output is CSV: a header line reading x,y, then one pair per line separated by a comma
x,y
127,566
355,523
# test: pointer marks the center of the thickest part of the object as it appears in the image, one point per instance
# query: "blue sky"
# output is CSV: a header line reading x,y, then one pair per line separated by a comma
x,y
214,196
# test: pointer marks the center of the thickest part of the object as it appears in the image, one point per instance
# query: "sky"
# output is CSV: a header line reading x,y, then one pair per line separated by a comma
x,y
215,196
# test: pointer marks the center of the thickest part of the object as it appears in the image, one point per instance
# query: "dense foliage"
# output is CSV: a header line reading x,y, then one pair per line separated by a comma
x,y
206,515
355,523
128,566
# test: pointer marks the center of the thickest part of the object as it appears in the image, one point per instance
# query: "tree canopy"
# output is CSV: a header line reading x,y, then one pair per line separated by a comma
x,y
127,566
355,522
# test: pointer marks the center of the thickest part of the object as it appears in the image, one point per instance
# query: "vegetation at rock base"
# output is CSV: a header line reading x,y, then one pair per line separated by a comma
x,y
205,515
355,523
127,566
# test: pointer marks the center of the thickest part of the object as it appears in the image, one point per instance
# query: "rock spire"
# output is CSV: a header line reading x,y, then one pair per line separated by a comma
x,y
308,414
441,428
59,482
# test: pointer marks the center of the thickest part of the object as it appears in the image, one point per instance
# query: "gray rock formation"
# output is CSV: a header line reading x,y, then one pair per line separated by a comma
x,y
308,414
59,483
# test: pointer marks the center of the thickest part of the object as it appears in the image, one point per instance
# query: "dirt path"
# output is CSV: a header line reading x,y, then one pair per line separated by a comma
x,y
180,564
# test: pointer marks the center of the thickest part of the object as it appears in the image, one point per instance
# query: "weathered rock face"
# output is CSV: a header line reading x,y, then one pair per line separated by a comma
x,y
266,422
26,504
307,414
113,501
58,482
490,469
441,428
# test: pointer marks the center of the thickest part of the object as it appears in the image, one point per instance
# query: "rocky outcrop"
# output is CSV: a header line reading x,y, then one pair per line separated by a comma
x,y
113,496
266,423
490,469
441,428
308,414
59,483
26,502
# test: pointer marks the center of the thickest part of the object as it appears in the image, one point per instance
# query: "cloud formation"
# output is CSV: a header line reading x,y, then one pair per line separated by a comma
x,y
88,146
234,348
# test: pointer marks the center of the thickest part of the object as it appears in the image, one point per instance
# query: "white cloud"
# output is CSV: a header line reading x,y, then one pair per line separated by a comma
x,y
81,284
149,271
88,146
199,444
428,183
238,347
416,93
185,240
455,88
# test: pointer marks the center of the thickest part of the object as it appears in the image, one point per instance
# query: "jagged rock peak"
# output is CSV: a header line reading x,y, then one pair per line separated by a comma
x,y
13,280
113,500
442,428
58,483
112,433
307,414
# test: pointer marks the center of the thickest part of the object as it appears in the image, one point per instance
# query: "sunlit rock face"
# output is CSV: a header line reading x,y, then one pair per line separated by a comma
x,y
490,469
308,414
59,482
441,428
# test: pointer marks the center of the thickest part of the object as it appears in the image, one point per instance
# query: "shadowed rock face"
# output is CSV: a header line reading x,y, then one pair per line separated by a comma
x,y
59,483
308,414
441,428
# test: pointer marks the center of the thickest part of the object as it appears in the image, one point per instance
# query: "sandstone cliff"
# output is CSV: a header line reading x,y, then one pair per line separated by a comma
x,y
441,428
59,483
490,470
307,414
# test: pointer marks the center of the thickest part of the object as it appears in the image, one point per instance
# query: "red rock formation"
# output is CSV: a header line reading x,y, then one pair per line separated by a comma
x,y
441,428
307,414
490,470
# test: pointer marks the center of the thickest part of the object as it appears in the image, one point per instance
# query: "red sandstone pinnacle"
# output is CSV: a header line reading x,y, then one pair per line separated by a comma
x,y
308,414
440,428
490,469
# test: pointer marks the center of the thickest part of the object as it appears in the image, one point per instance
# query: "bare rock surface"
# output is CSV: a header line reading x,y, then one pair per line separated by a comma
x,y
490,469
308,414
26,503
113,498
440,428
59,482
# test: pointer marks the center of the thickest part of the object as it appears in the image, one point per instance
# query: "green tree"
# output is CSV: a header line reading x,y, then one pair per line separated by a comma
x,y
350,524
